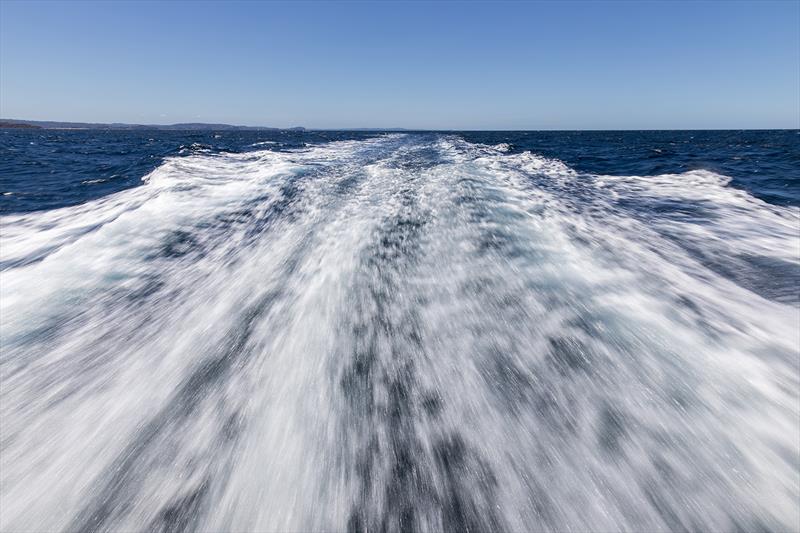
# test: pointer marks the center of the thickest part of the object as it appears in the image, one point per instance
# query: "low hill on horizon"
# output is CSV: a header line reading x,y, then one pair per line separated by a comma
x,y
49,124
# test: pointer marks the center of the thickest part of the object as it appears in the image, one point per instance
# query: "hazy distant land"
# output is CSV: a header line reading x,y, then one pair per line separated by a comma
x,y
49,124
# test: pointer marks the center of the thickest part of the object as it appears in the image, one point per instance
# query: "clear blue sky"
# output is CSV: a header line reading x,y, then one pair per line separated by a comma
x,y
471,65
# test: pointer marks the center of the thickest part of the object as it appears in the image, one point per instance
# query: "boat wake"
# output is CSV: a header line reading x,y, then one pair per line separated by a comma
x,y
411,332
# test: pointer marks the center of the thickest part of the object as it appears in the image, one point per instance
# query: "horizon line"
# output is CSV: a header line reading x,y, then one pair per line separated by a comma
x,y
110,125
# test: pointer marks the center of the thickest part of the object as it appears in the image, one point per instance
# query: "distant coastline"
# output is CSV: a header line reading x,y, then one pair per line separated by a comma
x,y
7,123
18,125
189,126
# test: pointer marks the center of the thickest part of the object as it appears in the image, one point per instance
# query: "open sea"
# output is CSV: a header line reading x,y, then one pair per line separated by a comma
x,y
373,331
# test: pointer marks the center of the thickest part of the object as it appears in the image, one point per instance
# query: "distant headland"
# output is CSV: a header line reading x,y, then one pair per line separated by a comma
x,y
53,125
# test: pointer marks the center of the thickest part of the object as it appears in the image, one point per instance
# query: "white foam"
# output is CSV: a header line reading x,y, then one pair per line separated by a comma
x,y
193,336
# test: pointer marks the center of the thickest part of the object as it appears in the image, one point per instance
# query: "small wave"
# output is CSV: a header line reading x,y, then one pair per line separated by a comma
x,y
195,147
99,180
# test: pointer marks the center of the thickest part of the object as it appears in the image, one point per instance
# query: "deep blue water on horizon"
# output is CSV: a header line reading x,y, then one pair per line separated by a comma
x,y
46,169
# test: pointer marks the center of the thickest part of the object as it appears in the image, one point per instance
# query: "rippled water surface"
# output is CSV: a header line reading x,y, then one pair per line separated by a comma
x,y
427,331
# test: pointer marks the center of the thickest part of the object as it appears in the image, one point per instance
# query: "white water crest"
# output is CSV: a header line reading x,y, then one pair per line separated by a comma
x,y
406,333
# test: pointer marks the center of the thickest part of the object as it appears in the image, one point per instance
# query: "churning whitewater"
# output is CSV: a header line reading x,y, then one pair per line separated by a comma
x,y
409,332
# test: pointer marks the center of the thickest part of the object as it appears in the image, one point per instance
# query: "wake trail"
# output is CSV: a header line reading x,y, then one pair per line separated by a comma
x,y
411,332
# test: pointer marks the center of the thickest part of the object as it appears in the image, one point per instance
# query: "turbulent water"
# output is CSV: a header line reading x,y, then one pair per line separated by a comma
x,y
397,332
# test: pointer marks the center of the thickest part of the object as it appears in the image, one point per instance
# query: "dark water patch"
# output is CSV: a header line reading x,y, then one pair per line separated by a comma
x,y
183,514
612,428
468,498
569,354
179,243
509,381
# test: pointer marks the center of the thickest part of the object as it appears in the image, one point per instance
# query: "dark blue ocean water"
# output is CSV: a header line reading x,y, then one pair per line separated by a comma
x,y
349,331
43,169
